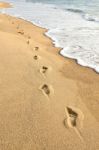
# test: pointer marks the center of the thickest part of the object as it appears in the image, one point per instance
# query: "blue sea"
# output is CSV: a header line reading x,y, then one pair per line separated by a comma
x,y
73,25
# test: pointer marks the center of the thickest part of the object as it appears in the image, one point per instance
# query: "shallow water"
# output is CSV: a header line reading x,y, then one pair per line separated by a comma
x,y
73,25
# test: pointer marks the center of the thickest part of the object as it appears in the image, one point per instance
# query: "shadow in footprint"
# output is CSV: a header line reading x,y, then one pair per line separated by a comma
x,y
46,89
43,70
72,116
35,57
12,22
36,48
20,32
29,37
17,27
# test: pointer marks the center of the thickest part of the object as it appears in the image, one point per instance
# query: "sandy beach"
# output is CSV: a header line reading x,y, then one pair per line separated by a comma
x,y
47,102
4,5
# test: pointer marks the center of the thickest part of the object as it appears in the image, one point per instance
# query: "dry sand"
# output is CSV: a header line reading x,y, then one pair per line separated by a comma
x,y
47,102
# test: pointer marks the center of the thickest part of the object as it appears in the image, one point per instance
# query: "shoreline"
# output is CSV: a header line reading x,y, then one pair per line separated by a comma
x,y
39,88
59,48
4,5
8,5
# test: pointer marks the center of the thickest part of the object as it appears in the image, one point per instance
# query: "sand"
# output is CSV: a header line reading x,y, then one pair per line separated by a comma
x,y
4,5
47,102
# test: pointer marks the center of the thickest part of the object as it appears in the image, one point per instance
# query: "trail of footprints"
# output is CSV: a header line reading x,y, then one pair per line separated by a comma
x,y
73,116
46,90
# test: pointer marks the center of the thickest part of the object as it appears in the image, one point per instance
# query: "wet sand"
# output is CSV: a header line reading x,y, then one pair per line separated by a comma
x,y
4,5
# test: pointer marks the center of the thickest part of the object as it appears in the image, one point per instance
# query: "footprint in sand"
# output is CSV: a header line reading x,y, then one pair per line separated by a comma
x,y
36,57
71,117
29,37
43,70
47,90
21,32
17,27
28,42
12,22
36,48
74,119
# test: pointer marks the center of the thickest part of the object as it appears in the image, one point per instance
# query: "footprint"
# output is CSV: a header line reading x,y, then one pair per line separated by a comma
x,y
29,37
36,48
17,27
21,32
74,120
71,117
35,57
47,90
12,22
43,70
28,42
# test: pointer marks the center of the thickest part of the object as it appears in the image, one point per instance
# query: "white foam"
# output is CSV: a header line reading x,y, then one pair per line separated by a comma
x,y
78,37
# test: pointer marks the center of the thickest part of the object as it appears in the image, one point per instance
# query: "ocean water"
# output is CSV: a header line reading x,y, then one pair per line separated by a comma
x,y
73,25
